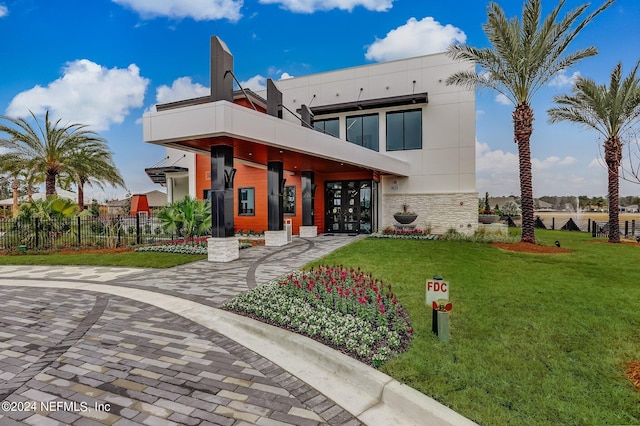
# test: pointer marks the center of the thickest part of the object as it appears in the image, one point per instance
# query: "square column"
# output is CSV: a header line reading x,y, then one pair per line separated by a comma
x,y
308,229
275,188
223,246
276,234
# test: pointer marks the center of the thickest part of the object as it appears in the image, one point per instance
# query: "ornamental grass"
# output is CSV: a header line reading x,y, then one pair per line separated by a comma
x,y
343,308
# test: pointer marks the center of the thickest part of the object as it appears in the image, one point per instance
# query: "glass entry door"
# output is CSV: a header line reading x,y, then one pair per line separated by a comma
x,y
348,206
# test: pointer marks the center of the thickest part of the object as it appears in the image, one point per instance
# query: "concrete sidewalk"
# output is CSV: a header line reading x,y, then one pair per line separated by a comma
x,y
153,345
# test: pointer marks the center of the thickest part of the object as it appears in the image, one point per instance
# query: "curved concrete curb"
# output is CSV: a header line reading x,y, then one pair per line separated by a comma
x,y
371,396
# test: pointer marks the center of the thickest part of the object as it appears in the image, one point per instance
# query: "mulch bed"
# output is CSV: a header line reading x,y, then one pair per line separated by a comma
x,y
87,250
521,247
633,371
94,250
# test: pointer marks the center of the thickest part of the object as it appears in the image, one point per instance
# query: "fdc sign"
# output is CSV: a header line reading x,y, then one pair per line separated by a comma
x,y
437,289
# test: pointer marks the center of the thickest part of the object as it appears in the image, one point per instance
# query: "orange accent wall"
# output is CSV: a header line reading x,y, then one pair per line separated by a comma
x,y
255,177
245,103
203,174
251,177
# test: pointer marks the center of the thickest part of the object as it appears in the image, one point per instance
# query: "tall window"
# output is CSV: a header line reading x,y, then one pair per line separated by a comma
x,y
404,130
363,130
289,204
246,200
330,126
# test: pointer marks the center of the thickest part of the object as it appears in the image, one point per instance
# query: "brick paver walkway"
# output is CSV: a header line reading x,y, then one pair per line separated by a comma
x,y
83,358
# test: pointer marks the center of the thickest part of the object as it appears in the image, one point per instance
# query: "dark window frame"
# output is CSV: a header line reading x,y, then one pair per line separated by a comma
x,y
362,117
247,211
323,128
404,129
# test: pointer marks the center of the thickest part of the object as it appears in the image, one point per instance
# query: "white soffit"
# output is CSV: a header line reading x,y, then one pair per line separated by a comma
x,y
223,118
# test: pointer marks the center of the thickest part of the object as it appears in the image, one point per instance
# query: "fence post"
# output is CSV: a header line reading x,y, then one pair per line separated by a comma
x,y
594,230
118,228
626,228
138,236
553,223
79,239
633,228
37,232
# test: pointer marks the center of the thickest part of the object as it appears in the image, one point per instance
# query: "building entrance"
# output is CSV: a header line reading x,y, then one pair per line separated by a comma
x,y
349,206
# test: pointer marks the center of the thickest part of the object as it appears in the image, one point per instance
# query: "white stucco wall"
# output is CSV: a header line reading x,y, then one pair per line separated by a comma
x,y
446,162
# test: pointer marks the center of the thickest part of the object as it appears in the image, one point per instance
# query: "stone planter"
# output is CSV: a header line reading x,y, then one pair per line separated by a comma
x,y
488,218
405,218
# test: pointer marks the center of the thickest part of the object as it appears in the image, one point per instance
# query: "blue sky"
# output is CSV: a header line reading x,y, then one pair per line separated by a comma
x,y
105,62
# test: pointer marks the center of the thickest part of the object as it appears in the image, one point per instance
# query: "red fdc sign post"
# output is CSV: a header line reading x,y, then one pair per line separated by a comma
x,y
437,292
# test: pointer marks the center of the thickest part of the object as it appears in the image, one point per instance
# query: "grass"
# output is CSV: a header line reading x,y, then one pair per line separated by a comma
x,y
535,338
128,259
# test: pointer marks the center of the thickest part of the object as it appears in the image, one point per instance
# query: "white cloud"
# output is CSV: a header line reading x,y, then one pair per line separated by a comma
x,y
258,82
87,93
199,10
415,38
497,172
182,88
4,11
496,161
310,6
503,100
255,83
552,162
563,80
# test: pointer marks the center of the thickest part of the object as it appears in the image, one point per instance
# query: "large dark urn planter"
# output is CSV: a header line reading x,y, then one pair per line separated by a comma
x,y
405,218
488,218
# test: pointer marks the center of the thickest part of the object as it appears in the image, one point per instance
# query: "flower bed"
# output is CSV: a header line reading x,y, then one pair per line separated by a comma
x,y
342,308
182,246
192,246
411,234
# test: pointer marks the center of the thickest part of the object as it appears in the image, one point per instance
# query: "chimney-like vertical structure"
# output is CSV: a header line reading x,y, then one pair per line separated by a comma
x,y
274,99
307,116
221,62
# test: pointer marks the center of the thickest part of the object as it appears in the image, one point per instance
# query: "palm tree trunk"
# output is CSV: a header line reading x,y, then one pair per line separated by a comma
x,y
14,187
81,195
522,129
50,184
613,156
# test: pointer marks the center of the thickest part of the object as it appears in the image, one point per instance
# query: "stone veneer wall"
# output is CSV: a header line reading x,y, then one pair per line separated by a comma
x,y
440,212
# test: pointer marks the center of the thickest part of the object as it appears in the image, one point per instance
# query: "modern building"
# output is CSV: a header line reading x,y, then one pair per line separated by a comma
x,y
340,151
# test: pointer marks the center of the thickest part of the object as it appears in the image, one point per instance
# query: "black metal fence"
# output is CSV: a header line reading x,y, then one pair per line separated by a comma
x,y
89,231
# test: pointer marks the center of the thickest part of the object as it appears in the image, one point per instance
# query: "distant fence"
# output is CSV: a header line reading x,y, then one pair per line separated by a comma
x,y
628,228
89,231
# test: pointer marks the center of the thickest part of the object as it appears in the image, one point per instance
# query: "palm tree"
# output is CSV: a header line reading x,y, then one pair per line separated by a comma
x,y
15,168
48,150
92,164
524,55
610,111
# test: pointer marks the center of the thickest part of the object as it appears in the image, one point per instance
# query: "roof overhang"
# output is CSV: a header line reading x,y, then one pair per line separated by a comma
x,y
197,127
159,174
366,104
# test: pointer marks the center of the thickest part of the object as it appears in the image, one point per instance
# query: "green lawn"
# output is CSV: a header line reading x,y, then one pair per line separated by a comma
x,y
535,339
128,259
